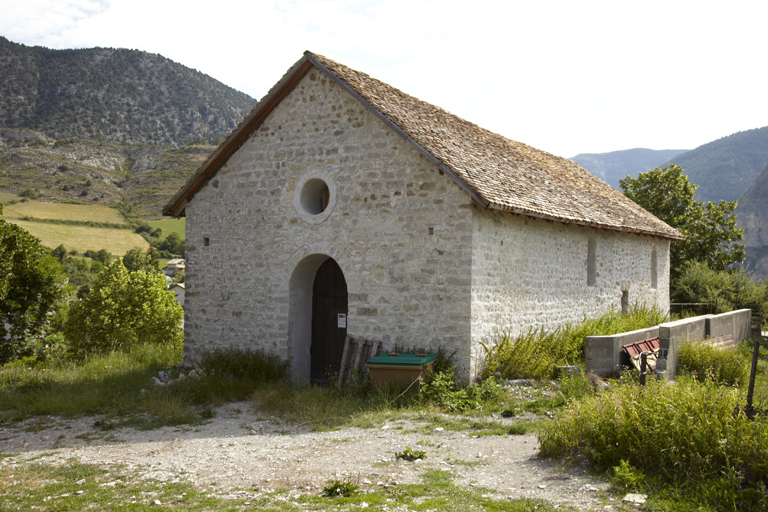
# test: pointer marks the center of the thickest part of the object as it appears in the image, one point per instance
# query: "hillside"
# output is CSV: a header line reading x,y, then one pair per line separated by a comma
x,y
613,166
116,95
752,214
138,178
726,167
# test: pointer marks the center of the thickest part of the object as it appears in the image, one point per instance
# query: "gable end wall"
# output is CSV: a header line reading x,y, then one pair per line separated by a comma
x,y
399,229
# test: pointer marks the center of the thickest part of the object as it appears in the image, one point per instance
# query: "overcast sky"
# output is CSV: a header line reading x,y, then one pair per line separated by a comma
x,y
568,77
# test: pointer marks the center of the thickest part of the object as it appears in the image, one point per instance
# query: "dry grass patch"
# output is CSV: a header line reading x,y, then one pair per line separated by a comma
x,y
63,211
83,238
6,197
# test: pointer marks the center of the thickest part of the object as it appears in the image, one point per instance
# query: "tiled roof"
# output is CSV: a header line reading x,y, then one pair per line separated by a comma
x,y
497,172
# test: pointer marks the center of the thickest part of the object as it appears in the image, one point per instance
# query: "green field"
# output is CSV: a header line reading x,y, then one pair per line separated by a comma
x,y
169,226
83,238
63,211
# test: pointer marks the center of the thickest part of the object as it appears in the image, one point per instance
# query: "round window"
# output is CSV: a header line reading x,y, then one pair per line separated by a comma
x,y
316,197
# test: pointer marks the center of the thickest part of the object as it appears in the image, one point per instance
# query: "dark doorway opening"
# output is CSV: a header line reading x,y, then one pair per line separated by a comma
x,y
329,322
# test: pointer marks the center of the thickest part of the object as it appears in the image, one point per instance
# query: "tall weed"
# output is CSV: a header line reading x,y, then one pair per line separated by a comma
x,y
537,353
722,365
442,391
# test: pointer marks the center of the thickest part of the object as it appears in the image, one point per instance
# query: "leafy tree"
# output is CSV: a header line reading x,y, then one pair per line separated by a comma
x,y
102,256
173,244
727,289
123,309
136,259
31,288
709,228
179,277
59,253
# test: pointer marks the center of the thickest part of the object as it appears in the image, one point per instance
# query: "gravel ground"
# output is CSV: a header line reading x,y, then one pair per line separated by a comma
x,y
240,449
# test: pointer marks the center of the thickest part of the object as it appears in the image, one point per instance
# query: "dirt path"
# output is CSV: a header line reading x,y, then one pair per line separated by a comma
x,y
241,450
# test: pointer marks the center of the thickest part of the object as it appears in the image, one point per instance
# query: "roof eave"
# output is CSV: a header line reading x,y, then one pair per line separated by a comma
x,y
674,237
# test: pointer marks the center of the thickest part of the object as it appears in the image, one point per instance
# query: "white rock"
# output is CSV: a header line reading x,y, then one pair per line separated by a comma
x,y
638,499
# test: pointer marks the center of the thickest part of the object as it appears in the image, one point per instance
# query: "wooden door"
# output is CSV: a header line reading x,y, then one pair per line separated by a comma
x,y
329,300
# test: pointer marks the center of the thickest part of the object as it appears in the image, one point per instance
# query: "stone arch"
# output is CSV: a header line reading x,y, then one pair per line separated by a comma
x,y
300,314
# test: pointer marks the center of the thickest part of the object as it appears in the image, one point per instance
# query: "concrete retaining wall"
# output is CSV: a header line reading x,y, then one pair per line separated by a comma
x,y
736,323
672,334
603,354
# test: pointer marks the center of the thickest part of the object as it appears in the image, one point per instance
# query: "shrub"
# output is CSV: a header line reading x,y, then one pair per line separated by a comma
x,y
410,454
124,309
32,287
441,390
686,435
721,365
728,289
339,488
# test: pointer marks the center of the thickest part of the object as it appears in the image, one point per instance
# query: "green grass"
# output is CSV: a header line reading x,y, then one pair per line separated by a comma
x,y
6,198
109,384
536,354
169,226
682,440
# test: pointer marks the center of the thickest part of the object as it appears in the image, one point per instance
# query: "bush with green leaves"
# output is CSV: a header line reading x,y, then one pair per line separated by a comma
x,y
339,488
728,289
686,435
441,390
411,455
537,353
32,287
124,309
722,365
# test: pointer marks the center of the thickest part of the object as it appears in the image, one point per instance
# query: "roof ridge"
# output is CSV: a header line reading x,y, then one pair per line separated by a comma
x,y
496,171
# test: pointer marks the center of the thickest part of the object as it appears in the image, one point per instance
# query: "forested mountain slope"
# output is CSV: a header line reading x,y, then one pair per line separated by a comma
x,y
726,167
116,95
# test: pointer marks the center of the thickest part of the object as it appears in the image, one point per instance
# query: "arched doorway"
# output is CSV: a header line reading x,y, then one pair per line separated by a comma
x,y
318,294
329,321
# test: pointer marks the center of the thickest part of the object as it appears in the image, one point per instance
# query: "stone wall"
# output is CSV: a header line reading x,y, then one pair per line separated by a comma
x,y
531,273
397,227
424,266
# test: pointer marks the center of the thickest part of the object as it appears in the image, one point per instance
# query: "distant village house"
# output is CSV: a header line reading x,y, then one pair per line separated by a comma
x,y
175,266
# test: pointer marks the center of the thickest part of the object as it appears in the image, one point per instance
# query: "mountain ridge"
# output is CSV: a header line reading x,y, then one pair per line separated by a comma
x,y
615,165
117,95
